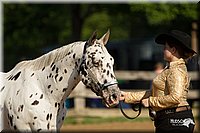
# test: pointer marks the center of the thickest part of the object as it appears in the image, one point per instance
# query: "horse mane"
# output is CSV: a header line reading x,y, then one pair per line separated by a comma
x,y
46,59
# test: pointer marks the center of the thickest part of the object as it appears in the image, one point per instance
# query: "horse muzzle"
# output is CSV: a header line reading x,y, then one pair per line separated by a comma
x,y
111,96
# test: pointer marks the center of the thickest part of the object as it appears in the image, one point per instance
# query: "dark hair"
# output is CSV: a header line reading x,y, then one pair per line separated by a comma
x,y
183,52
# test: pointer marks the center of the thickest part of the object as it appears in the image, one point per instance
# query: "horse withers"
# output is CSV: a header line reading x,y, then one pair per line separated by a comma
x,y
33,92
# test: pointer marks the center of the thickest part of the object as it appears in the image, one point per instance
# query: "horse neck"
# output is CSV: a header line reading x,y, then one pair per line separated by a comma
x,y
62,76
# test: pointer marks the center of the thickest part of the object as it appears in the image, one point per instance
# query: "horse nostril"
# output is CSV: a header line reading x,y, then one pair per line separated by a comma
x,y
114,96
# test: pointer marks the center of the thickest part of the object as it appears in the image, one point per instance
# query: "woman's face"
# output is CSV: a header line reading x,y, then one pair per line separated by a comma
x,y
168,52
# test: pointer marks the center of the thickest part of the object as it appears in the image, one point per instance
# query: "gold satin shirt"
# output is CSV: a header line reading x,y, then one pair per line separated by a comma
x,y
169,88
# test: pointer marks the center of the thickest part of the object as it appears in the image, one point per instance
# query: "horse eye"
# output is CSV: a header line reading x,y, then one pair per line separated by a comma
x,y
96,63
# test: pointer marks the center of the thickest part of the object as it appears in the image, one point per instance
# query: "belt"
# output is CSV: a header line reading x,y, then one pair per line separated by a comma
x,y
173,110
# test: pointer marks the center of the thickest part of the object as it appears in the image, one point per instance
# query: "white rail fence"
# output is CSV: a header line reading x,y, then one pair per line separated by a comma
x,y
80,94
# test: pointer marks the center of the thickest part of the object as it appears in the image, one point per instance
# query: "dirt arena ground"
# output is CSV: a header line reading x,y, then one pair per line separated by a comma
x,y
111,127
133,127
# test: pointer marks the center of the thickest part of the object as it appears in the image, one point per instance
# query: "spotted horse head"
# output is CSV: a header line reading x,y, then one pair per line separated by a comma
x,y
97,72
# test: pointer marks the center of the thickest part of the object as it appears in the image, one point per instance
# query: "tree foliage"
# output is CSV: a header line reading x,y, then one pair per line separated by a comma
x,y
30,28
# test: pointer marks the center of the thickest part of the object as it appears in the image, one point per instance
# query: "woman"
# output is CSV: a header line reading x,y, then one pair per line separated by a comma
x,y
168,94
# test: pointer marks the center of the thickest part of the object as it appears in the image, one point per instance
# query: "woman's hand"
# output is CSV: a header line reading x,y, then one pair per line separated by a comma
x,y
145,102
122,96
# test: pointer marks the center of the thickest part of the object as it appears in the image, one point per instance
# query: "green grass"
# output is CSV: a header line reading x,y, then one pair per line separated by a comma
x,y
98,120
94,120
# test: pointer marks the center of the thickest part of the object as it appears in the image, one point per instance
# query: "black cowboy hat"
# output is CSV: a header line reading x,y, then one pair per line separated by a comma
x,y
179,36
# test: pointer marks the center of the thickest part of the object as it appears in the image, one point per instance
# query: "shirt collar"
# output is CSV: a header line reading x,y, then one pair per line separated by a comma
x,y
176,63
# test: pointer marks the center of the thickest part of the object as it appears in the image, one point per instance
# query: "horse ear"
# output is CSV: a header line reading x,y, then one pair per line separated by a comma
x,y
92,38
105,37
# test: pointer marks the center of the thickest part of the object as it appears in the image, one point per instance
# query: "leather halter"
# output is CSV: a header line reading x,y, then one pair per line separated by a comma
x,y
99,85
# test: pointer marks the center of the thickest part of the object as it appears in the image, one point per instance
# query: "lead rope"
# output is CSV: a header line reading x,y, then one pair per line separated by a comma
x,y
134,108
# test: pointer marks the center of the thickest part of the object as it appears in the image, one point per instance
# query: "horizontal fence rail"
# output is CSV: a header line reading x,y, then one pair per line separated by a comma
x,y
80,93
146,75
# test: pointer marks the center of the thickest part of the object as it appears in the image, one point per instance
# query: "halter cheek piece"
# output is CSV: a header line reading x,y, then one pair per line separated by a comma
x,y
83,68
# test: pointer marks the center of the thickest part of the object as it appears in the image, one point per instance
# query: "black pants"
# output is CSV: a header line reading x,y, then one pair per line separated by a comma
x,y
179,122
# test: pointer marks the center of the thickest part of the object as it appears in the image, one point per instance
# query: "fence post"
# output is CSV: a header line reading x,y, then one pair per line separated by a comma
x,y
194,36
79,99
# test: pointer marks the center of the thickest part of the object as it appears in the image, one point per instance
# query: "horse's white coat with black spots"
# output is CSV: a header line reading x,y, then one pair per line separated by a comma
x,y
33,92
